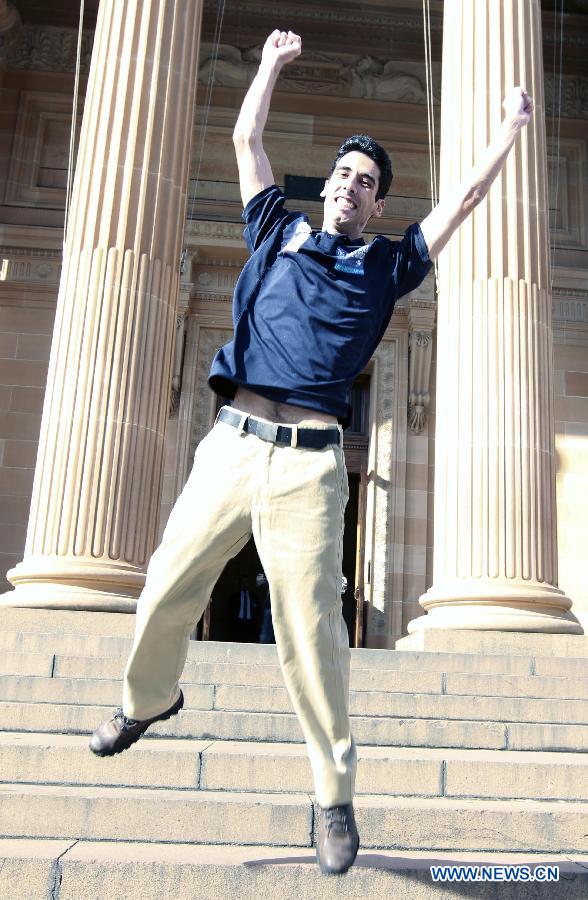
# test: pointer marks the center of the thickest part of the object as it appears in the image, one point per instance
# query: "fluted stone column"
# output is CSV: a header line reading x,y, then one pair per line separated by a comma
x,y
495,550
96,494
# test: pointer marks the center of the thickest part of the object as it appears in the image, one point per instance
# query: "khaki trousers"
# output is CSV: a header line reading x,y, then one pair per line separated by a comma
x,y
292,500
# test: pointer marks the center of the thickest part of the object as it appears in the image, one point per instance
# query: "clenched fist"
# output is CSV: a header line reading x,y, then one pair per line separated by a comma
x,y
280,48
518,106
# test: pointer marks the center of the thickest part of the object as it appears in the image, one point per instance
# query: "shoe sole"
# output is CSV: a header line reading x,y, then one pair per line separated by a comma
x,y
172,711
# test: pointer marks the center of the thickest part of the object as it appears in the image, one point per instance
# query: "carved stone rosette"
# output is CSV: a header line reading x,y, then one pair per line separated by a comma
x,y
93,518
495,547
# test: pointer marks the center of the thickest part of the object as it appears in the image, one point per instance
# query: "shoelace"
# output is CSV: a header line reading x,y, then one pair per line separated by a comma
x,y
336,820
126,723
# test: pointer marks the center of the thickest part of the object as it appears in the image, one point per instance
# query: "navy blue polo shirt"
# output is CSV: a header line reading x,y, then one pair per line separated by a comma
x,y
310,308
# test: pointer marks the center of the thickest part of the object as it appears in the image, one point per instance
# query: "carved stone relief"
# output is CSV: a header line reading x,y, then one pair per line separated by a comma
x,y
29,265
421,344
216,281
378,80
179,350
47,49
43,48
421,320
571,310
229,66
571,98
209,341
357,76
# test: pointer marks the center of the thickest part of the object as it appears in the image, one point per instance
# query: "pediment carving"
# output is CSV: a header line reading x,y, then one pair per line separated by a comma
x,y
355,76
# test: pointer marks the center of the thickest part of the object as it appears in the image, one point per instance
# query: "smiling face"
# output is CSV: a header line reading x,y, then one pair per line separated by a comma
x,y
350,195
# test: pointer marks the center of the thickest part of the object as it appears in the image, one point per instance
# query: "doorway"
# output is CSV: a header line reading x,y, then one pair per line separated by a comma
x,y
231,617
228,619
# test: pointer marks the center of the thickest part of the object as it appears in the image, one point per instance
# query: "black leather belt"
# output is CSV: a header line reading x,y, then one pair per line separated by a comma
x,y
312,438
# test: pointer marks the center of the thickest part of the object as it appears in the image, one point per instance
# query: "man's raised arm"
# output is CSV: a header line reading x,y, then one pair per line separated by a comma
x,y
451,211
255,171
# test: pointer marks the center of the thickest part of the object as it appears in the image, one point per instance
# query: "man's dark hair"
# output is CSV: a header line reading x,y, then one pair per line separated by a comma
x,y
365,144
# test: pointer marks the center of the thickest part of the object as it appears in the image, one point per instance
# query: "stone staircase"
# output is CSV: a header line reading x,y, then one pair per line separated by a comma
x,y
465,758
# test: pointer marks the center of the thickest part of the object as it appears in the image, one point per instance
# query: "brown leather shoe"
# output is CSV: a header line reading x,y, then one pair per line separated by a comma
x,y
337,840
119,732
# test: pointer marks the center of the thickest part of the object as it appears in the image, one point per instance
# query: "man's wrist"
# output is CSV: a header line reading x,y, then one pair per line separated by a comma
x,y
511,126
269,71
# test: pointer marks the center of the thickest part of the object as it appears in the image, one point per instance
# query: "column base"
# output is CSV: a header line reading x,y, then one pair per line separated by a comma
x,y
81,584
487,605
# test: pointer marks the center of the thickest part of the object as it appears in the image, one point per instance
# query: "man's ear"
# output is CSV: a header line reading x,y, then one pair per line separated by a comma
x,y
379,207
323,193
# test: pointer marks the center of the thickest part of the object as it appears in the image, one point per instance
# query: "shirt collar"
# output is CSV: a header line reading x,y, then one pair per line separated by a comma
x,y
327,239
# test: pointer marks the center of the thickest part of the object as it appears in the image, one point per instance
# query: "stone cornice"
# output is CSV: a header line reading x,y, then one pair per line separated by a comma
x,y
575,293
30,251
202,230
335,13
211,298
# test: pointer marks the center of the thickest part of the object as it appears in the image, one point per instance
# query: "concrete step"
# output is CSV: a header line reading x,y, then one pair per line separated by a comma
x,y
85,870
276,700
281,727
88,667
415,705
66,621
107,648
411,823
284,727
272,767
207,674
86,691
12,663
539,686
105,657
490,642
199,692
431,640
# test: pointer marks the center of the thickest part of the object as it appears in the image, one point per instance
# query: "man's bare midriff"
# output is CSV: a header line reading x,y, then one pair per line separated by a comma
x,y
255,405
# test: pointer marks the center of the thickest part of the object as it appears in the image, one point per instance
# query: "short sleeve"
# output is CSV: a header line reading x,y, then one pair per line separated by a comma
x,y
410,261
262,214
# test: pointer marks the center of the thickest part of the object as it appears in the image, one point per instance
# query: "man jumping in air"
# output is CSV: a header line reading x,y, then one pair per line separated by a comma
x,y
309,308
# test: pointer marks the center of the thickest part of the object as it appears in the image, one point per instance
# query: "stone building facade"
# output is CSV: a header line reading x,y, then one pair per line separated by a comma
x,y
137,298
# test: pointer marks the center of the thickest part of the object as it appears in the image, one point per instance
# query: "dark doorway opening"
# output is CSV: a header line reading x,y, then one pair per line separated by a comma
x,y
350,556
225,624
221,621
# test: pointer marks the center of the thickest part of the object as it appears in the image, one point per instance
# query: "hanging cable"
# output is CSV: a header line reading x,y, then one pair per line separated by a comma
x,y
74,117
430,112
558,122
